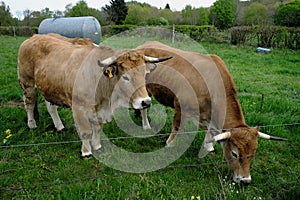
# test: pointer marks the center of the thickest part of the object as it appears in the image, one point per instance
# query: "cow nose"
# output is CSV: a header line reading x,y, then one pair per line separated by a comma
x,y
246,181
146,103
242,179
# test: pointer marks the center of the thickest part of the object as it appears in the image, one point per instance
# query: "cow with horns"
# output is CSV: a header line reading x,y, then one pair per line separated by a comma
x,y
70,73
238,140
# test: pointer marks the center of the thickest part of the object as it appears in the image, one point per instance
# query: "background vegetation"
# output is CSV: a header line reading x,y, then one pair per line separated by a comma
x,y
46,164
267,23
223,14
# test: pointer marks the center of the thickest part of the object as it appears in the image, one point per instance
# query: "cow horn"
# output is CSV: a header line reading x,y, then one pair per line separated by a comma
x,y
219,137
107,61
155,60
269,137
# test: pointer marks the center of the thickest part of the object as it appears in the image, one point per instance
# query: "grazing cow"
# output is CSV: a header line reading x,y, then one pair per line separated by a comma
x,y
71,75
220,114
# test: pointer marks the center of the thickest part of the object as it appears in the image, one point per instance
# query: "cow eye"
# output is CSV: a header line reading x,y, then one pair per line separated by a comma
x,y
125,77
234,154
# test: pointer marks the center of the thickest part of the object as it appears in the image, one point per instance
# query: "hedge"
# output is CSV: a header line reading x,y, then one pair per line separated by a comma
x,y
198,33
111,30
18,30
271,37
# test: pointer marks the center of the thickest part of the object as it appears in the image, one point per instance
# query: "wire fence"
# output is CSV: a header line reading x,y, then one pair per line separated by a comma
x,y
131,137
96,177
93,178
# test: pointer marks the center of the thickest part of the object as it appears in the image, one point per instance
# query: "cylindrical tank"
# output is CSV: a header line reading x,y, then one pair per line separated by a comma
x,y
83,27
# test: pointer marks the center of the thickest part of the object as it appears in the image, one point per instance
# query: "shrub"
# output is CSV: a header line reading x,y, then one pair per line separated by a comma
x,y
18,30
115,29
240,34
271,37
198,33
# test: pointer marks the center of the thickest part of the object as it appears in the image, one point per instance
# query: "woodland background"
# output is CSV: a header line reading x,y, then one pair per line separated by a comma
x,y
268,23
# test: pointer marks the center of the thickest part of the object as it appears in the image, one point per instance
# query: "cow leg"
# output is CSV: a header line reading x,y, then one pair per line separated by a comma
x,y
91,140
30,101
176,126
52,109
83,128
88,128
208,146
145,120
96,128
86,150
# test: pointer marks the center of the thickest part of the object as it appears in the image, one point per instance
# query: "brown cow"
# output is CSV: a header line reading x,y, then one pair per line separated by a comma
x,y
215,104
71,75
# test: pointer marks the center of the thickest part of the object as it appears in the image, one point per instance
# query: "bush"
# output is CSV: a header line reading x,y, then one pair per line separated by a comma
x,y
116,29
239,35
198,33
18,30
153,21
271,37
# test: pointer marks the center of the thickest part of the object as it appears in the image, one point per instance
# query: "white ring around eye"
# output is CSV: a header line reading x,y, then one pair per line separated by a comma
x,y
234,154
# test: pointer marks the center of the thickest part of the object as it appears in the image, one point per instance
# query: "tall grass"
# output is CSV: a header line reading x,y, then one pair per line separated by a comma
x,y
56,171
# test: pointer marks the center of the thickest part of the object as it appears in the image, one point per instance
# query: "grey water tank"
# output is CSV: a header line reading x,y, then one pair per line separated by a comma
x,y
83,27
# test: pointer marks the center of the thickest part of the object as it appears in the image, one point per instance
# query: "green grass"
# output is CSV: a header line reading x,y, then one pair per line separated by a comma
x,y
56,171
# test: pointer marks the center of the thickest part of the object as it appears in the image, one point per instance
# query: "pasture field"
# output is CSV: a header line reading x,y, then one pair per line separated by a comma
x,y
46,164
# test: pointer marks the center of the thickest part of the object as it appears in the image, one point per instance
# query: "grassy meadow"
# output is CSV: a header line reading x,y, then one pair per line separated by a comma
x,y
35,165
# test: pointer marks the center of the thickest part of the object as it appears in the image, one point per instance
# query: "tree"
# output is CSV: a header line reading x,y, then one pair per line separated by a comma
x,y
140,13
117,11
222,14
68,8
5,16
190,15
289,14
80,9
203,16
256,14
167,14
168,6
27,17
177,18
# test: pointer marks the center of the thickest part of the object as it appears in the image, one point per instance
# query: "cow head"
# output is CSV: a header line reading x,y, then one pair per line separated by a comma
x,y
130,69
239,147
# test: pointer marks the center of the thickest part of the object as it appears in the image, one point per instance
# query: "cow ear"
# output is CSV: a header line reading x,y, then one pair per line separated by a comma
x,y
110,71
109,68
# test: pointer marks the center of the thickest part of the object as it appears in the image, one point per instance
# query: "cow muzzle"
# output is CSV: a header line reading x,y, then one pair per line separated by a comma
x,y
142,103
243,180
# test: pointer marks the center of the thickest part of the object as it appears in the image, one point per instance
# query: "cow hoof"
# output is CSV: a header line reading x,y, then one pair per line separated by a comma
x,y
60,128
209,147
86,157
31,124
171,144
146,127
99,150
213,152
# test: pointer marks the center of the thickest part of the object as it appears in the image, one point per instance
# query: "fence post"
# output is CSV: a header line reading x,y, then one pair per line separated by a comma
x,y
14,30
173,34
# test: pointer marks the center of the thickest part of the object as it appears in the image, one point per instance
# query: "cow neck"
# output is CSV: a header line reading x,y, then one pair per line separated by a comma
x,y
234,113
